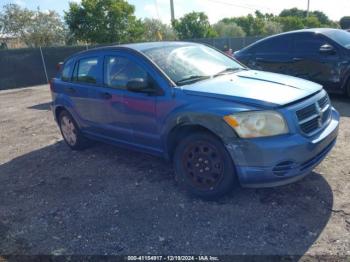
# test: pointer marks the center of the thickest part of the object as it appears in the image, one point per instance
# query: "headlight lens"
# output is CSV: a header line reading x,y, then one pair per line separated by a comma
x,y
257,124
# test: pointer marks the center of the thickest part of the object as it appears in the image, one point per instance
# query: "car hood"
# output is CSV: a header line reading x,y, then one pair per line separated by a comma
x,y
256,87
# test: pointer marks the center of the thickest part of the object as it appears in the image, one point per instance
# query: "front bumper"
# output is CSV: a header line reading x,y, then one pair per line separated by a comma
x,y
280,160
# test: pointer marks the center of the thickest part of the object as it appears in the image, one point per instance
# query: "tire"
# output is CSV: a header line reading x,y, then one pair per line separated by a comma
x,y
71,132
204,167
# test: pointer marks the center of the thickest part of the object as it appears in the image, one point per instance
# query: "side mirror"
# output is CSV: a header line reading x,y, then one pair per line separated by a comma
x,y
327,49
139,85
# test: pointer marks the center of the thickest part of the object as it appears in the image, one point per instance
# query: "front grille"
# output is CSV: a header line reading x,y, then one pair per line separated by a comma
x,y
315,116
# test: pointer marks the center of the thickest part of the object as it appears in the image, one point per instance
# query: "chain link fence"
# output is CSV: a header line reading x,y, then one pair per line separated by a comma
x,y
35,66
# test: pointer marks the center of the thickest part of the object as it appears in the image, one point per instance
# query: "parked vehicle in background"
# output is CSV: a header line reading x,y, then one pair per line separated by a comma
x,y
220,123
319,55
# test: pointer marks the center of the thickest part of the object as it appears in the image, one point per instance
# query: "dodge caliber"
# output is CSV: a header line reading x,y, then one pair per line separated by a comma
x,y
220,123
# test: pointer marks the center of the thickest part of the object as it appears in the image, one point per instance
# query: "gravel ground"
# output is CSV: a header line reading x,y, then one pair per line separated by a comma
x,y
107,200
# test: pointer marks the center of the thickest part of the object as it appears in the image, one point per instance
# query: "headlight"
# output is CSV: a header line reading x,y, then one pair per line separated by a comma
x,y
257,123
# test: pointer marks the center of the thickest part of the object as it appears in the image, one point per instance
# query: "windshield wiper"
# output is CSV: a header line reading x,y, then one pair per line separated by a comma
x,y
192,79
229,70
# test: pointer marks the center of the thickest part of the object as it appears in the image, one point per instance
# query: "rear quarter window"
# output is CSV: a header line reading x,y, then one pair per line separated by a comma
x,y
66,74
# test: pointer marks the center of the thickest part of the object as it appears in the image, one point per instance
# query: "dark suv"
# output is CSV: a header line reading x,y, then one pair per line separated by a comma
x,y
319,55
221,123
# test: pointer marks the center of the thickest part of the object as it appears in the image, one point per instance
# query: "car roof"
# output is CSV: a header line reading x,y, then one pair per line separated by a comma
x,y
311,30
151,45
322,31
138,47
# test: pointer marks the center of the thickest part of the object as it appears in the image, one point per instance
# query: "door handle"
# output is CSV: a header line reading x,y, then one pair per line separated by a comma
x,y
106,95
296,59
259,59
71,90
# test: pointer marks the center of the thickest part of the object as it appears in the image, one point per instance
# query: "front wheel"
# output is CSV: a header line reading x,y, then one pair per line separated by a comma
x,y
203,165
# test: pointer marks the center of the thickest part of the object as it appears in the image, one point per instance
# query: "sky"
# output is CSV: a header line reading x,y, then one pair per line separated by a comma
x,y
215,9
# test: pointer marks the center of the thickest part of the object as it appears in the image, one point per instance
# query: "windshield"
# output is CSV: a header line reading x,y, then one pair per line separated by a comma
x,y
190,63
340,36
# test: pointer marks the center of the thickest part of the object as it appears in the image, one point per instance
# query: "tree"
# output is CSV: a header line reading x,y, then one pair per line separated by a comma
x,y
251,25
294,12
273,27
103,21
193,25
155,30
312,22
228,30
323,19
345,22
46,29
290,23
14,19
34,28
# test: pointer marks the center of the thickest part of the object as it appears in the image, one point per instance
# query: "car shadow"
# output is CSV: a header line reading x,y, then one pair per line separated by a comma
x,y
107,200
43,106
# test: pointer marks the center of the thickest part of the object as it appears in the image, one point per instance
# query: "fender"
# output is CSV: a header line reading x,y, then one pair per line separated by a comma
x,y
204,112
61,101
346,78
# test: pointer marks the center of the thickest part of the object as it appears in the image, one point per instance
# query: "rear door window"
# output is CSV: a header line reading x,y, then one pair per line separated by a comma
x,y
87,70
275,45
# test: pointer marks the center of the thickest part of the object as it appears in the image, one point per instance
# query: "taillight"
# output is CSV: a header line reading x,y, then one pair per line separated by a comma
x,y
58,66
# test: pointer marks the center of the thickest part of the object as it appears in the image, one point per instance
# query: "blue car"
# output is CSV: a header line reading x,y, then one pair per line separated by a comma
x,y
220,123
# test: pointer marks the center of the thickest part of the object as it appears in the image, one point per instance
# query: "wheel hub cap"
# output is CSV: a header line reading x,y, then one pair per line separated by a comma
x,y
68,130
203,164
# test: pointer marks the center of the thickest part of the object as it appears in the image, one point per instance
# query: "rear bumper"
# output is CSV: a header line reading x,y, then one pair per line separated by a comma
x,y
275,161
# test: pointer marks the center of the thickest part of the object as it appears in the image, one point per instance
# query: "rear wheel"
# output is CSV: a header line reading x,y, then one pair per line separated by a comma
x,y
71,133
203,166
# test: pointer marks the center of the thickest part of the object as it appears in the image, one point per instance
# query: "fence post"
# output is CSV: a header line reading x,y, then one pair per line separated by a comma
x,y
44,65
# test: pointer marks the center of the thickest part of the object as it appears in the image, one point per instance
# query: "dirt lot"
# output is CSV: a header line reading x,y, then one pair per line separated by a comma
x,y
107,200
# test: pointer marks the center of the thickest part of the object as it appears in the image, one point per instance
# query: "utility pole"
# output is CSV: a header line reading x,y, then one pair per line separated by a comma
x,y
308,8
172,11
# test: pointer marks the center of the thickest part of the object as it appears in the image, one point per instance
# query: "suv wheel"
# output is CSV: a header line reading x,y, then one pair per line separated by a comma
x,y
203,165
71,133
